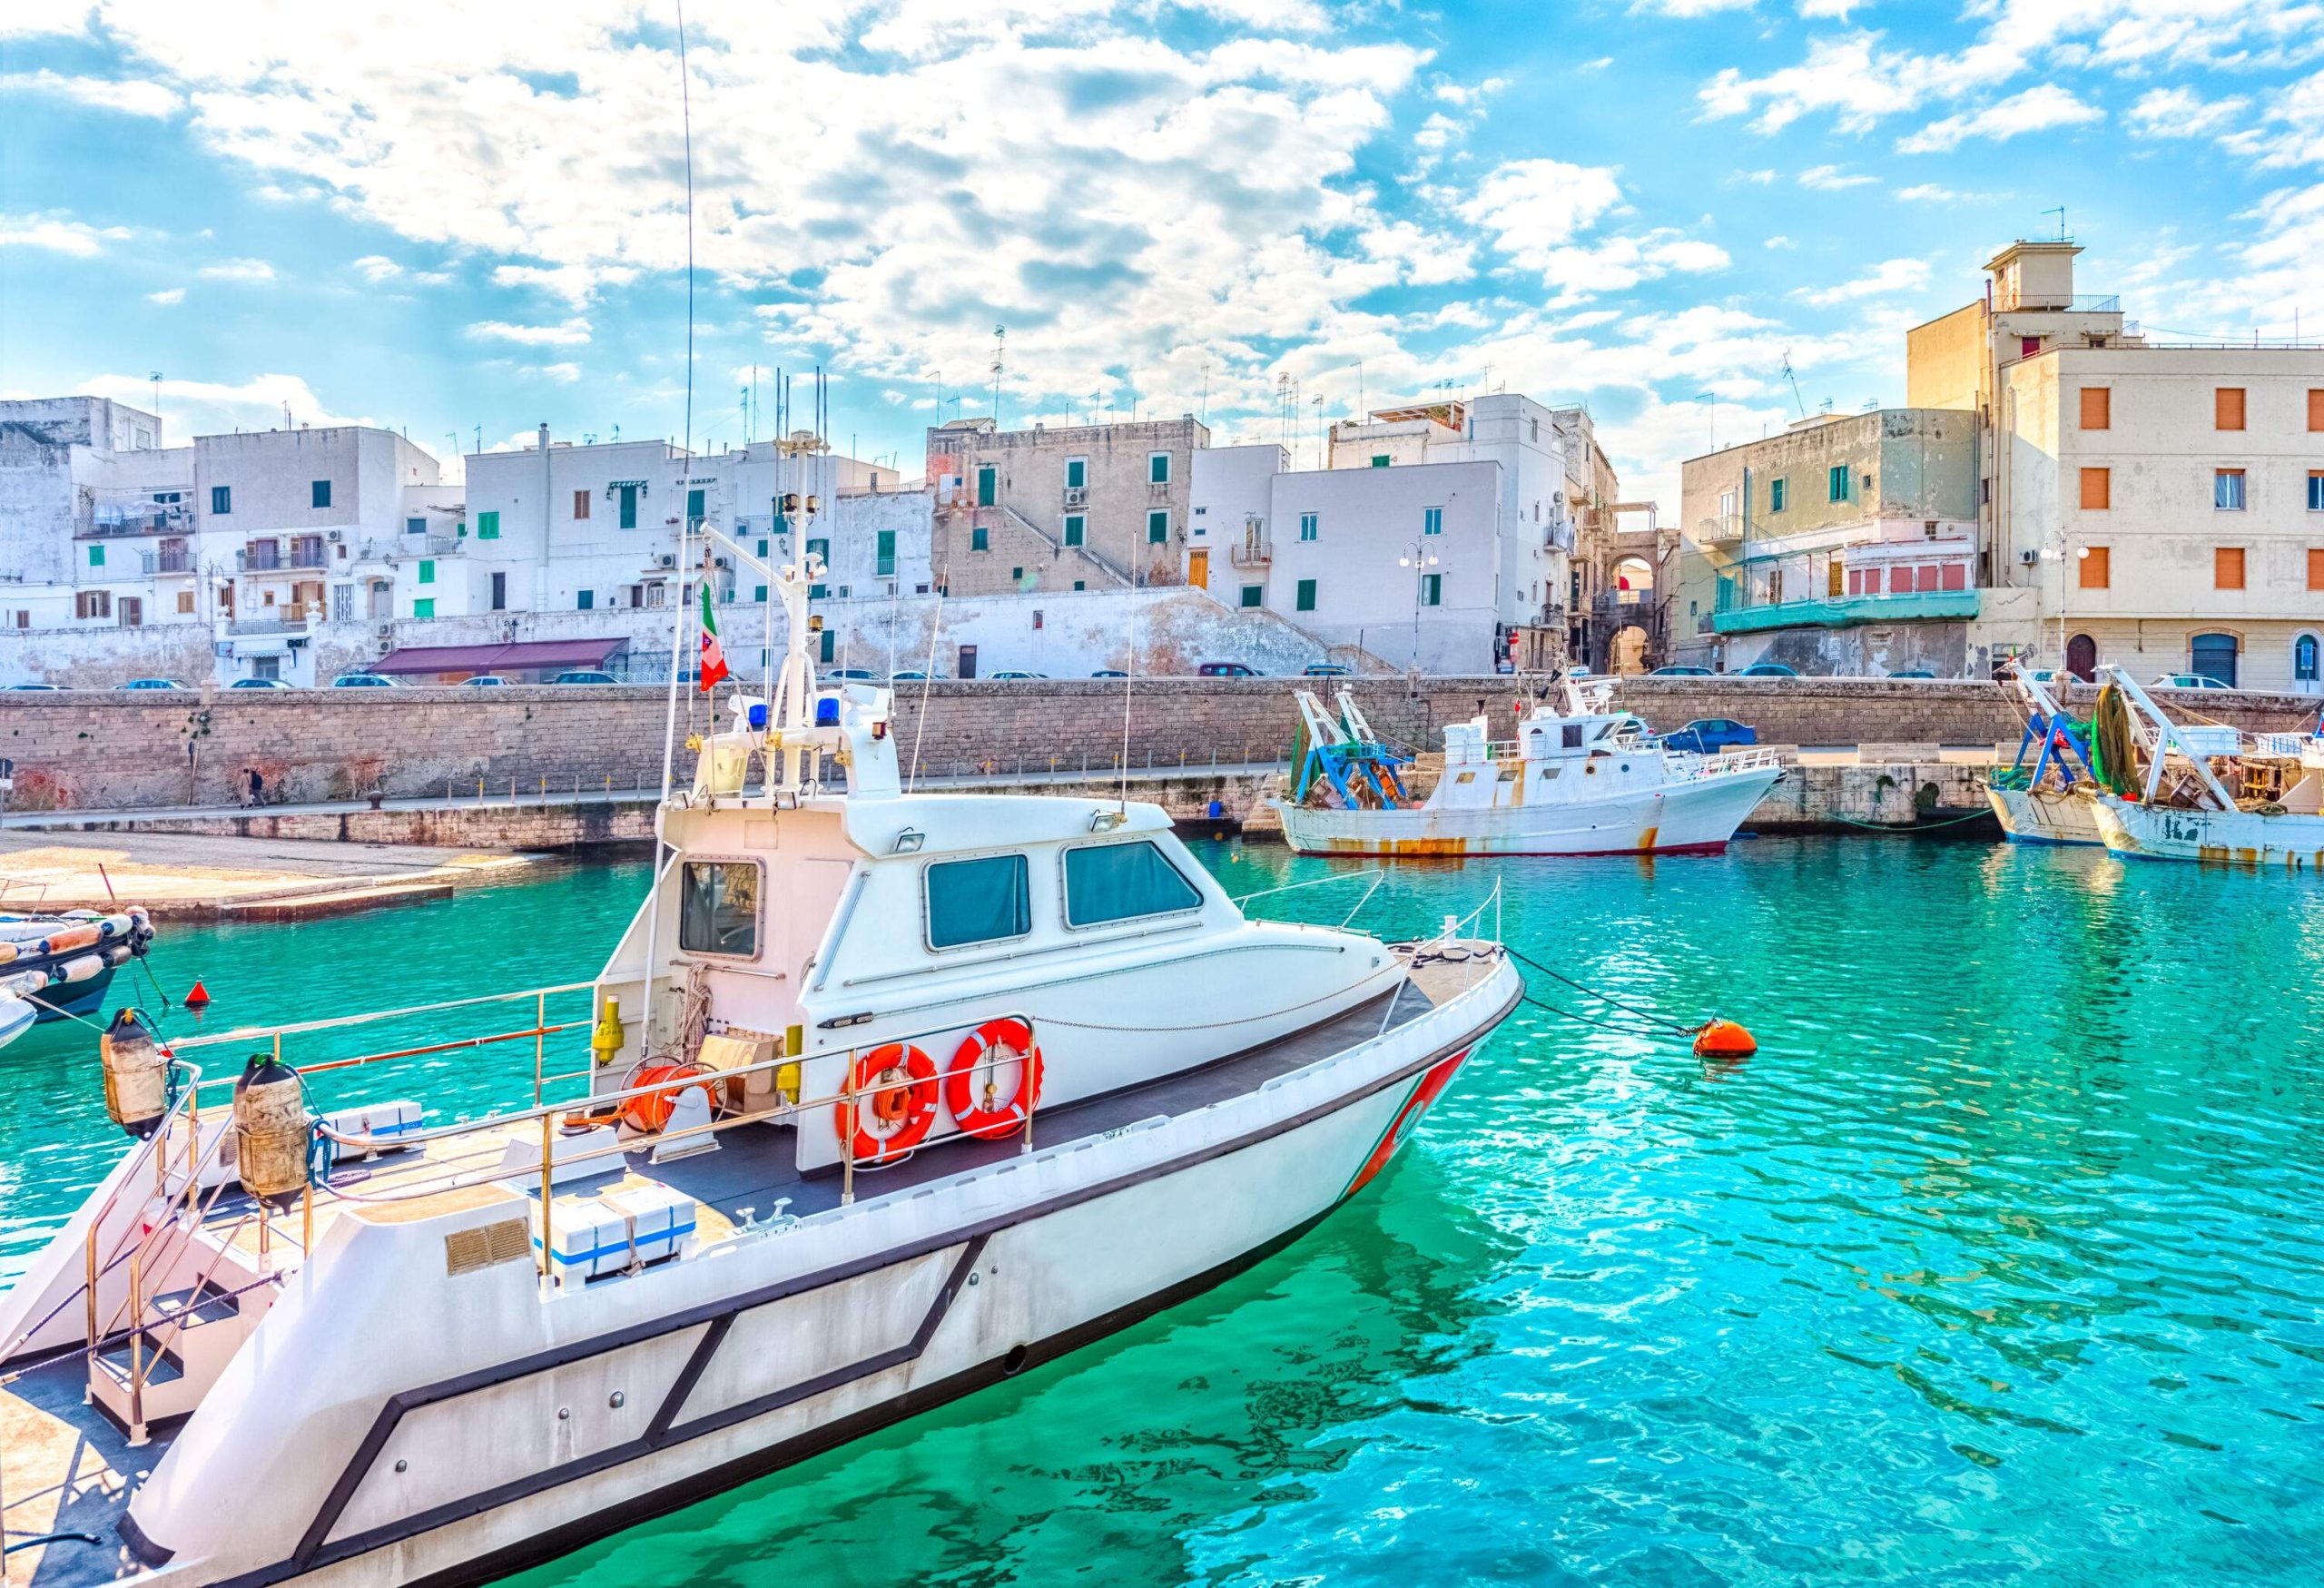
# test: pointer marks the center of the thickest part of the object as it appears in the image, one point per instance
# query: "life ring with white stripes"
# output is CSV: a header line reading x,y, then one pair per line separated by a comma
x,y
977,1107
903,1085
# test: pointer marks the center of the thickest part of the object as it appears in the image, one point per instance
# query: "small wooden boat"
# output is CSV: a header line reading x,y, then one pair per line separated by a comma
x,y
2209,792
2048,801
55,967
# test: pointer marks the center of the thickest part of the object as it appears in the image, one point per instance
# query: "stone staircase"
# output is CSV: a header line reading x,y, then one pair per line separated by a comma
x,y
1014,541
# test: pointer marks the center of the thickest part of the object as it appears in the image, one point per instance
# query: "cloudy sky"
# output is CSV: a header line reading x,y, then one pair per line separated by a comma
x,y
461,218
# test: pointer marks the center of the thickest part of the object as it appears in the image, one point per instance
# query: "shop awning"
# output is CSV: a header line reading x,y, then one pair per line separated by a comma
x,y
534,655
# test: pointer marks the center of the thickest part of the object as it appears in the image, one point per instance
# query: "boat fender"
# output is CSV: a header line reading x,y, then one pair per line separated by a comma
x,y
70,938
9,950
607,1040
651,1112
80,968
271,1131
113,926
907,1101
137,1075
972,1083
1724,1038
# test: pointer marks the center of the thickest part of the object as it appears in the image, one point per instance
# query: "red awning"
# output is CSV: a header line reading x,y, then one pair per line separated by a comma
x,y
524,656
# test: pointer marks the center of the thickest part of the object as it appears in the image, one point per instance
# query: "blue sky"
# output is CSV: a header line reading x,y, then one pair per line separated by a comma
x,y
462,219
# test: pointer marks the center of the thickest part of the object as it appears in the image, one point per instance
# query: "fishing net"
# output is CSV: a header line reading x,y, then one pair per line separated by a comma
x,y
2113,756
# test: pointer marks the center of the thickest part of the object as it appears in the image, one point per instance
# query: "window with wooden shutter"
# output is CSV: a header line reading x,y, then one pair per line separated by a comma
x,y
2316,408
2316,568
2097,407
2097,568
2227,568
2097,489
2227,408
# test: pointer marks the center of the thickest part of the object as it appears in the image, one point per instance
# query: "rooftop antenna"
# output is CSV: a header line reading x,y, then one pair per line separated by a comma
x,y
999,356
1205,391
157,378
1797,401
2060,213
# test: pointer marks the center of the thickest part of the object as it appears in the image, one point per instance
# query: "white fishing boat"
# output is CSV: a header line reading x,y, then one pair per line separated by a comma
x,y
2048,801
2212,793
1586,780
889,1096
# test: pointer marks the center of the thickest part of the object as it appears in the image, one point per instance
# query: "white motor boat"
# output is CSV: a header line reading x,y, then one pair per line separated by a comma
x,y
1589,780
2184,811
2046,801
889,1096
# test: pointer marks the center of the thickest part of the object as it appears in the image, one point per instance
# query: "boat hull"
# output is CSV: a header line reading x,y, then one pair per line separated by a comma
x,y
2244,838
1694,817
2045,816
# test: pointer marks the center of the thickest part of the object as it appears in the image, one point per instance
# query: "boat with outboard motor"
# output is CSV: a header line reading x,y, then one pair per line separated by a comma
x,y
58,966
890,1095
2047,801
1588,780
2208,792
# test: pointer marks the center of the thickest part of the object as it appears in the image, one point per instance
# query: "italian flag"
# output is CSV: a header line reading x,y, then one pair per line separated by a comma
x,y
714,656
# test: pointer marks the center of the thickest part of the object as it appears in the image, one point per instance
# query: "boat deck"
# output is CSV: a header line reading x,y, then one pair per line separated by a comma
x,y
65,1468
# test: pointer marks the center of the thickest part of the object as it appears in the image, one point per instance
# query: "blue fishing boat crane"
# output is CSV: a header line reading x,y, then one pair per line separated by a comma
x,y
2064,742
1345,753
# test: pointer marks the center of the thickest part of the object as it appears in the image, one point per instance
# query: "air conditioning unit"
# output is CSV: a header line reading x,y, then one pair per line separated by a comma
x,y
385,631
336,535
2029,557
668,559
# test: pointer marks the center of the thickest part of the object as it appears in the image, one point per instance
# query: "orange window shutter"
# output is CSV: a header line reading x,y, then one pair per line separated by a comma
x,y
2228,408
2227,568
2315,409
2096,569
2097,489
2097,407
2316,568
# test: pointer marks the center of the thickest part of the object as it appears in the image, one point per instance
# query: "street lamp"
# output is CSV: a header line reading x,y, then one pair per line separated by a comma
x,y
1418,561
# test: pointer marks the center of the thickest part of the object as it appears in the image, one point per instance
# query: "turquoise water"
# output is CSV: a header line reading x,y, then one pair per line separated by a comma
x,y
2000,1263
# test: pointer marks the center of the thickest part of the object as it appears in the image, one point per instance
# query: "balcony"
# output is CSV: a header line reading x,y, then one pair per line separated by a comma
x,y
1845,587
1716,526
286,620
1251,551
265,557
179,561
112,519
1157,490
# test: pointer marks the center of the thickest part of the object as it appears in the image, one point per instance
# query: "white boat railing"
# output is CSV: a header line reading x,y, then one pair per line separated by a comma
x,y
1723,763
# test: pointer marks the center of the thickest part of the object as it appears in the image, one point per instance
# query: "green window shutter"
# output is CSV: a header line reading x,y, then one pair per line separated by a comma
x,y
586,601
629,506
427,573
1839,482
1157,527
96,557
1075,527
824,653
318,493
1379,461
1076,473
762,547
988,485
1307,595
1158,469
222,498
424,606
759,595
695,506
1774,496
488,526
1431,521
978,540
1432,589
1253,595
1307,526
886,553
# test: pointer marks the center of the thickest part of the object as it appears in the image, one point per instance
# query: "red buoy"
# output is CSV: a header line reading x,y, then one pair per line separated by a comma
x,y
1723,1039
200,997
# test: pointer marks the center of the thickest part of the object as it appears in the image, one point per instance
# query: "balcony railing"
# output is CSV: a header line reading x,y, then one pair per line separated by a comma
x,y
1251,551
166,562
264,560
1719,527
285,620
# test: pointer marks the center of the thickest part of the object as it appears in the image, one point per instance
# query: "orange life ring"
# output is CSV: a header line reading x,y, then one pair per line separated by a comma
x,y
651,1112
990,1117
909,1104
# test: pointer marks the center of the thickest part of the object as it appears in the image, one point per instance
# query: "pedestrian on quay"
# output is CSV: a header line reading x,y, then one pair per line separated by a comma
x,y
258,789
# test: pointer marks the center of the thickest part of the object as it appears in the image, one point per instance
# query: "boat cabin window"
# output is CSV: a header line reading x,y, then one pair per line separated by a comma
x,y
1571,735
718,908
978,900
1118,882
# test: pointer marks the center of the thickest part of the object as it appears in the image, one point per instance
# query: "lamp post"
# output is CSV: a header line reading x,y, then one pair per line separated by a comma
x,y
1419,561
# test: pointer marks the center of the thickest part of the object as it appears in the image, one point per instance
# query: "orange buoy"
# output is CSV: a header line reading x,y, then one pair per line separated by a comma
x,y
200,997
1723,1039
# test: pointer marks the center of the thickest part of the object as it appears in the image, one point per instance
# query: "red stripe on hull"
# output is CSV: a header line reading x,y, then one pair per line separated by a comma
x,y
1716,847
1431,1087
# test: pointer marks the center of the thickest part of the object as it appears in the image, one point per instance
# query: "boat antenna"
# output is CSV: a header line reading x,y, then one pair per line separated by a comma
x,y
927,682
1129,678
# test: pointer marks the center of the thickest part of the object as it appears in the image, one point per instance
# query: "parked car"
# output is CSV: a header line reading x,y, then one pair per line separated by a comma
x,y
44,688
845,675
485,681
261,683
1110,673
1914,673
1708,735
1767,670
1326,670
150,684
364,681
1225,670
910,677
1016,673
2168,681
585,676
1682,673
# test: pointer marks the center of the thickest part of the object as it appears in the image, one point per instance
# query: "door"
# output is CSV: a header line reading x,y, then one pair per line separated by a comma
x,y
988,484
1198,569
2214,656
500,592
2082,657
382,605
968,662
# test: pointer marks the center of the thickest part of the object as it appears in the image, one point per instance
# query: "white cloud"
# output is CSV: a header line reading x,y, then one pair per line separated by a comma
x,y
58,232
208,408
2038,108
1928,193
1895,275
1468,93
2291,132
1691,8
2180,112
1832,179
568,333
127,96
1531,206
1779,240
576,284
1829,10
376,268
167,297
237,269
565,374
1600,65
1845,76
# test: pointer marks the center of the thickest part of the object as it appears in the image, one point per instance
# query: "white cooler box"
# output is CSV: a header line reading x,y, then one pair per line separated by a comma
x,y
616,1230
383,1122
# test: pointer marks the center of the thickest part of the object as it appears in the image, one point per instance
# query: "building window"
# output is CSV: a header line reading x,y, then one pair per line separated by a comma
x,y
585,600
626,495
695,509
2227,568
2097,568
92,604
2227,408
488,526
979,540
132,612
2097,489
1380,461
1431,521
1158,467
2226,490
96,557
988,485
415,525
1537,429
1253,595
580,504
2097,407
1308,525
1839,482
2316,408
2316,490
829,641
185,604
222,498
1078,584
2316,568
1076,473
427,571
1075,526
1016,575
883,556
1158,524
1432,589
1776,494
2214,656
978,900
718,908
319,494
423,607
1307,595
2303,660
